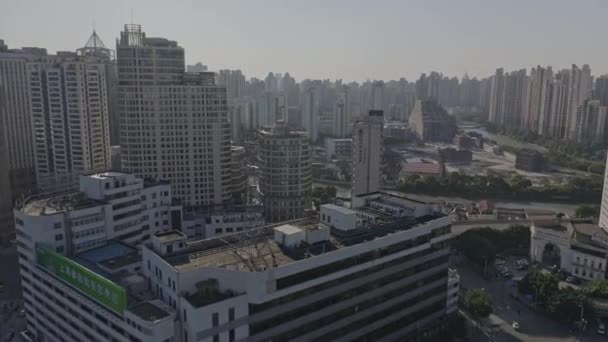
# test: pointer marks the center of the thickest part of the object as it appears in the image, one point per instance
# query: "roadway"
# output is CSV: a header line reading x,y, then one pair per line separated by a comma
x,y
534,327
10,296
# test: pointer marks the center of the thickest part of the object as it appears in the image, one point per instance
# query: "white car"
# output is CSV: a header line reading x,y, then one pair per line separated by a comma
x,y
601,328
515,325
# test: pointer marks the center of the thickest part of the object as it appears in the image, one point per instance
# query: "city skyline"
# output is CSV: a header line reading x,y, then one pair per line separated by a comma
x,y
338,42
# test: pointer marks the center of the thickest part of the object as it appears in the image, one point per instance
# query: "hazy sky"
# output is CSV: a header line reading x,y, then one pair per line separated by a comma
x,y
348,39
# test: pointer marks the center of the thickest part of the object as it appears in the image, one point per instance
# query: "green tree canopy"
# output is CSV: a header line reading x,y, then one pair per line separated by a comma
x,y
479,302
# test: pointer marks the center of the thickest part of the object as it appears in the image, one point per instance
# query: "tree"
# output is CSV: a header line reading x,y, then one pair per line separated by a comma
x,y
323,195
586,211
479,302
476,247
598,289
544,287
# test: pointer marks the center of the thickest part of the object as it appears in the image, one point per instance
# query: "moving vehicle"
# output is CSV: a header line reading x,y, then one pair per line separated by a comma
x,y
26,336
515,325
573,280
601,327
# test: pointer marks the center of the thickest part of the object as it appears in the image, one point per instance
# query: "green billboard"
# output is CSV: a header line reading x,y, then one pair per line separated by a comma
x,y
99,288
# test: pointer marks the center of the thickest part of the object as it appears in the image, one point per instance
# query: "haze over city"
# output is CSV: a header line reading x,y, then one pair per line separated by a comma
x,y
221,171
336,39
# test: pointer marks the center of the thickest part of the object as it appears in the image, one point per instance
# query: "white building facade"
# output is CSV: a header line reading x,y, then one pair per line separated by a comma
x,y
578,247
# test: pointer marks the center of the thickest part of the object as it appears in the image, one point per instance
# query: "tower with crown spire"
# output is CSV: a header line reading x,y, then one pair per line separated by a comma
x,y
95,47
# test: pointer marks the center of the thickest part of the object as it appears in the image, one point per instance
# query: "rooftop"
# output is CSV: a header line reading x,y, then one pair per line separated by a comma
x,y
342,210
149,311
110,256
109,174
422,167
548,223
49,204
288,229
207,293
589,234
256,250
169,236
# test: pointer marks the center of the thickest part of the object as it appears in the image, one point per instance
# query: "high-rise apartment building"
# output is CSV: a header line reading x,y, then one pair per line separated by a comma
x,y
174,125
234,81
342,114
601,90
285,162
56,114
603,222
311,113
377,96
17,121
559,104
496,113
537,110
427,87
7,226
581,83
590,124
367,153
430,121
70,117
198,67
94,47
238,174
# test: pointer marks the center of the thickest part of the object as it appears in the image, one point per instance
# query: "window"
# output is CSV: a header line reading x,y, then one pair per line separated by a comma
x,y
218,230
57,225
231,314
59,249
215,319
231,335
58,237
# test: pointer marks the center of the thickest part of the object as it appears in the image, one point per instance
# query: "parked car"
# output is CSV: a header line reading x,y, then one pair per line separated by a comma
x,y
26,336
601,328
515,325
573,280
499,262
